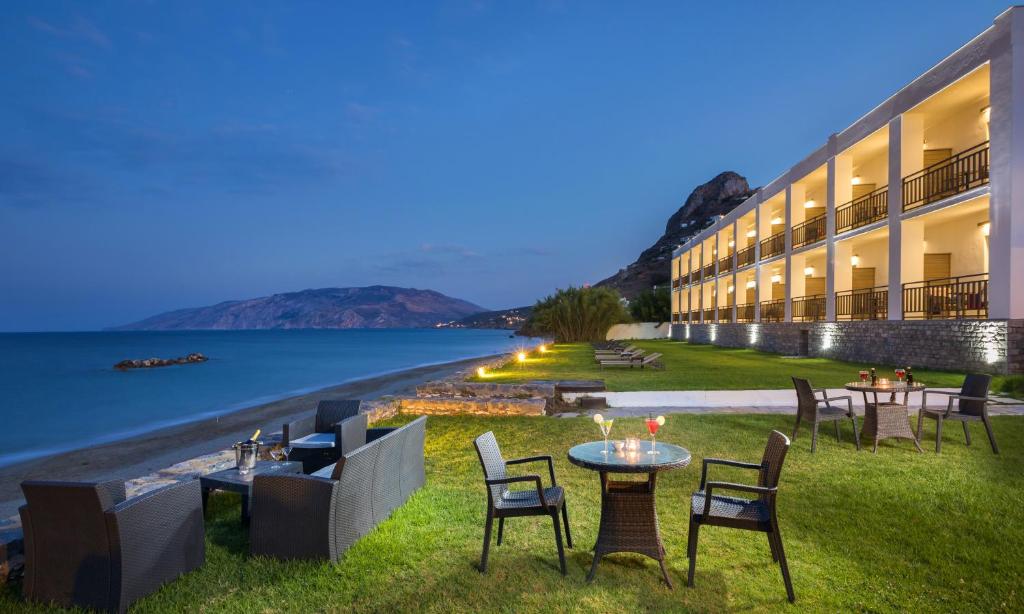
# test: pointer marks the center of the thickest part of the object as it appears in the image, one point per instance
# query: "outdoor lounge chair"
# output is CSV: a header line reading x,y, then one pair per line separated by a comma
x,y
708,508
88,546
972,406
808,409
316,437
503,503
651,360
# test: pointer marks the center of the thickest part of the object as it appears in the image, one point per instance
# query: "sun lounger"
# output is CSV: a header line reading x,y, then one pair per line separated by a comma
x,y
647,361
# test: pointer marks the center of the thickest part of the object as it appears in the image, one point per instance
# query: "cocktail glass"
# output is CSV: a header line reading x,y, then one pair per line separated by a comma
x,y
606,429
652,428
900,373
863,375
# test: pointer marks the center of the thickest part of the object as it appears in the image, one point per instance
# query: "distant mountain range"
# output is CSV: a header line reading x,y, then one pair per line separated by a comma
x,y
508,319
369,307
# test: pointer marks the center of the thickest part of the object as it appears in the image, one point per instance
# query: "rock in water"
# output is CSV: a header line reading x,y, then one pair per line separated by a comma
x,y
147,363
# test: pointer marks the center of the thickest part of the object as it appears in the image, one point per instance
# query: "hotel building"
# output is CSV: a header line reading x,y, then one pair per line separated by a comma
x,y
899,241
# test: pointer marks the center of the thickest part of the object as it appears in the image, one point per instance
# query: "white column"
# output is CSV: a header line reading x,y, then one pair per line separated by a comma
x,y
735,244
1006,208
788,279
895,197
830,236
700,292
716,253
757,258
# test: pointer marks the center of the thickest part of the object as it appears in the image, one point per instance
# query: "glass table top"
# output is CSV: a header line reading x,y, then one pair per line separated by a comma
x,y
591,456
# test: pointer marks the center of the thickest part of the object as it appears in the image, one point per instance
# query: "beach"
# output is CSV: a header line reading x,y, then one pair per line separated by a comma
x,y
146,453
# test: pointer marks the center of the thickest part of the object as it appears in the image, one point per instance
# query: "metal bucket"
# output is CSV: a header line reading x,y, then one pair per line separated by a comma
x,y
245,455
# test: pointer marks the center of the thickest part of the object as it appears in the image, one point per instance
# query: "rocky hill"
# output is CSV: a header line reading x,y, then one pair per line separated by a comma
x,y
369,307
508,319
716,197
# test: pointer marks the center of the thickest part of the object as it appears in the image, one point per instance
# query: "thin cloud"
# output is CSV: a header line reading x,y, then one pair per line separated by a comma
x,y
80,29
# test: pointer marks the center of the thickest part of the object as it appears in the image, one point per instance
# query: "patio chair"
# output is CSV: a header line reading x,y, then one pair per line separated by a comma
x,y
504,503
971,406
708,508
651,360
329,413
808,409
86,545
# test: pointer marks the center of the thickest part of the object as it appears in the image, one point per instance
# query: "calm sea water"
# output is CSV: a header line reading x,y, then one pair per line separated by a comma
x,y
58,391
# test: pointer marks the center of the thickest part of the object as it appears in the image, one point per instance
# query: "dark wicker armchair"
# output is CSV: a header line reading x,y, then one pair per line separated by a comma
x,y
504,503
87,546
329,414
708,508
809,409
971,406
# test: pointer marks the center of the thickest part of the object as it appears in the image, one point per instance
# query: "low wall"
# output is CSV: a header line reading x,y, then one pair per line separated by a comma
x,y
639,330
988,346
487,389
479,406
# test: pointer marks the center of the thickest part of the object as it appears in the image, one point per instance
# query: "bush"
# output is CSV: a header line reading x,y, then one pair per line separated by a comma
x,y
576,314
653,306
1011,385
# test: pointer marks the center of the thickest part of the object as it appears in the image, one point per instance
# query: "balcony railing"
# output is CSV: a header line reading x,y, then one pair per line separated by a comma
x,y
953,298
745,256
865,210
959,173
773,245
811,231
694,316
725,314
709,270
773,311
809,308
709,315
745,312
725,264
865,304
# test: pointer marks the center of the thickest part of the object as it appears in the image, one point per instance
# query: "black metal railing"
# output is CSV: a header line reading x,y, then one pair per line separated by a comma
x,y
694,316
862,211
811,231
773,311
952,298
709,270
709,315
725,314
959,173
745,256
773,245
695,275
864,304
725,264
745,312
809,308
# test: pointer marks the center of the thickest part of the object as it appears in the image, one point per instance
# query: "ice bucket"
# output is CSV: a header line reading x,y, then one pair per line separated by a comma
x,y
246,454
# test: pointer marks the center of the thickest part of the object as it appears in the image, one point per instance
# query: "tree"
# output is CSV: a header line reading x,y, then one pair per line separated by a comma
x,y
577,314
653,306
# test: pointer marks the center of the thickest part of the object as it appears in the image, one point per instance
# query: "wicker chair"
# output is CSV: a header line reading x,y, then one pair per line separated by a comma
x,y
972,406
87,546
707,508
808,410
329,414
503,503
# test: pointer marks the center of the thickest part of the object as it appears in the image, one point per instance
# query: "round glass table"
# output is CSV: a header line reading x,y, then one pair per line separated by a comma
x,y
884,420
629,517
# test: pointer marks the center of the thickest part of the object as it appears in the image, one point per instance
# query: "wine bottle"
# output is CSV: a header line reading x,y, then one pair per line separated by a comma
x,y
910,376
874,377
254,437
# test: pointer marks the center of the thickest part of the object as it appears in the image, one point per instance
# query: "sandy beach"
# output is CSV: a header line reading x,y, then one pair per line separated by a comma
x,y
156,450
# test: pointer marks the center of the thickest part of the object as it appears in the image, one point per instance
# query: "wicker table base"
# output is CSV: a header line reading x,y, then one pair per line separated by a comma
x,y
887,420
629,522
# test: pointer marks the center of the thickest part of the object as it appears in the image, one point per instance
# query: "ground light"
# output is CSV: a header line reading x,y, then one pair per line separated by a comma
x,y
521,357
482,372
543,349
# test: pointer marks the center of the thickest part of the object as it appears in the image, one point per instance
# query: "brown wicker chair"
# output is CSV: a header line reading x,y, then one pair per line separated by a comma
x,y
808,410
971,406
503,503
87,545
707,508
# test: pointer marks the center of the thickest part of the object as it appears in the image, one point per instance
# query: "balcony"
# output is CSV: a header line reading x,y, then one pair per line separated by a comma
x,y
953,298
709,271
679,282
725,264
745,312
809,308
694,316
725,315
865,210
745,256
964,171
865,304
811,231
709,315
773,245
773,311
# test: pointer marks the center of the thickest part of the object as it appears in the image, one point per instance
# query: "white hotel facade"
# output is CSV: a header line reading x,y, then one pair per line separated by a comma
x,y
899,240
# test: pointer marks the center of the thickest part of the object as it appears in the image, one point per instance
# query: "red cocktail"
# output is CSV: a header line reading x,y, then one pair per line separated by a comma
x,y
863,375
900,373
652,428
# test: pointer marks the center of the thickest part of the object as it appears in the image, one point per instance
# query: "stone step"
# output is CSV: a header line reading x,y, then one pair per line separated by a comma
x,y
485,406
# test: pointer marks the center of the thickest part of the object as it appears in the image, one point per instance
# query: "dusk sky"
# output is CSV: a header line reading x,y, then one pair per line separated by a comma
x,y
165,155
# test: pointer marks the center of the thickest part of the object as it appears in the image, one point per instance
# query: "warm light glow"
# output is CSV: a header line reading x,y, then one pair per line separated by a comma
x,y
776,220
521,357
732,243
986,114
730,289
810,204
481,372
808,271
751,284
856,180
986,228
543,349
854,260
751,233
776,279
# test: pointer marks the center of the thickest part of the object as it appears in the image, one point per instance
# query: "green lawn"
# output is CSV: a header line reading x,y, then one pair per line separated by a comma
x,y
893,532
699,367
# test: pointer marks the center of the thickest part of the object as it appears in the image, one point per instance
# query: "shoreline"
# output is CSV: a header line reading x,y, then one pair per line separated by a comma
x,y
152,450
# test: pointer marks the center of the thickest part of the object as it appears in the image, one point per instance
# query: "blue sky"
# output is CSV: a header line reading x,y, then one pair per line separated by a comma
x,y
166,155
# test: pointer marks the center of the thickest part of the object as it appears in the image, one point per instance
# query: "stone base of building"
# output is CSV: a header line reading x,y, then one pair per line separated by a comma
x,y
986,346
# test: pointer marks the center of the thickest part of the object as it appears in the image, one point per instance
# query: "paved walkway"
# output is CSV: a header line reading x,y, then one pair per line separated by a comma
x,y
630,412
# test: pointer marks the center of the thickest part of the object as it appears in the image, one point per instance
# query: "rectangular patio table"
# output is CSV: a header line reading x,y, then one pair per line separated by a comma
x,y
232,481
889,419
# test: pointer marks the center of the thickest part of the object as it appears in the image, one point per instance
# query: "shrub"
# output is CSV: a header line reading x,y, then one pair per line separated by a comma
x,y
1012,385
653,306
577,314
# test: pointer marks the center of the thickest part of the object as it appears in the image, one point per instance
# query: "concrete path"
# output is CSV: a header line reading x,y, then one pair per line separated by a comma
x,y
631,412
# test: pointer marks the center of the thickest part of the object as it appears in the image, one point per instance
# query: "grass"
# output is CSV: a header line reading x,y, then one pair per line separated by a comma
x,y
699,367
893,532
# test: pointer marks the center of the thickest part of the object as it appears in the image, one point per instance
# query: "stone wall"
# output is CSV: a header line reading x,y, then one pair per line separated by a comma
x,y
487,389
477,406
989,346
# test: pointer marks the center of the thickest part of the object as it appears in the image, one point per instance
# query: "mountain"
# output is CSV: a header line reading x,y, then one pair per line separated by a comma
x,y
510,319
716,197
369,307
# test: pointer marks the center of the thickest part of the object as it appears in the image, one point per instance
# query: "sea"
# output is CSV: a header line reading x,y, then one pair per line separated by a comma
x,y
60,392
